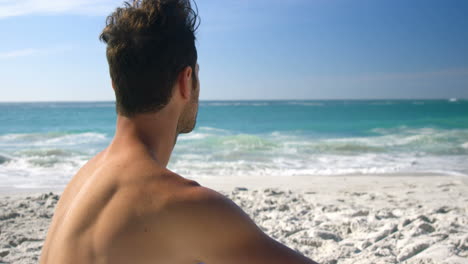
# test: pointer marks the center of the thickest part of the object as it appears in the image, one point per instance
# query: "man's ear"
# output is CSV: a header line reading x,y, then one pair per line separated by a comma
x,y
185,82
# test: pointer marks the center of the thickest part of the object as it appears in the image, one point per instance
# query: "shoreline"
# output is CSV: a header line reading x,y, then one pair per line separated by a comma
x,y
307,182
297,182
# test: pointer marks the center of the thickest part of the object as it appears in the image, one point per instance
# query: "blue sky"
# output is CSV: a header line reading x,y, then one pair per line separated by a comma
x,y
252,49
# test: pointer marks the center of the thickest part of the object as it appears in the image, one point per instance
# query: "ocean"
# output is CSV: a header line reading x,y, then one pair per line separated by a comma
x,y
42,145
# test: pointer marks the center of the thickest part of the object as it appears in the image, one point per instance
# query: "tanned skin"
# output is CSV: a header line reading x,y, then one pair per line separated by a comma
x,y
125,207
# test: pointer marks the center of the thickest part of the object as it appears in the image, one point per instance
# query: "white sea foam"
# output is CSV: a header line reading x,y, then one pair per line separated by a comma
x,y
38,172
51,159
45,159
213,129
277,153
4,158
427,139
319,165
193,136
203,133
74,139
51,139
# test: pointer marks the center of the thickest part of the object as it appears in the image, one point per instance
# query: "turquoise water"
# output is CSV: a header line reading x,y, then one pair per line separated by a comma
x,y
44,144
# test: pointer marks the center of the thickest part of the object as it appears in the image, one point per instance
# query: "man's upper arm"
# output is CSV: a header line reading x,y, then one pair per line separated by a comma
x,y
214,229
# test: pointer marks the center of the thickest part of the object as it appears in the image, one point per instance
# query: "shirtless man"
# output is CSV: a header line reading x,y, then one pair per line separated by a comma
x,y
124,205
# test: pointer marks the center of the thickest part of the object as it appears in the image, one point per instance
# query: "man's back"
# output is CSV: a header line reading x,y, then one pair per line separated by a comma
x,y
98,217
126,209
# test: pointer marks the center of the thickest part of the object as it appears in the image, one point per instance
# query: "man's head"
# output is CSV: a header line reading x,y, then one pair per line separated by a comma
x,y
150,50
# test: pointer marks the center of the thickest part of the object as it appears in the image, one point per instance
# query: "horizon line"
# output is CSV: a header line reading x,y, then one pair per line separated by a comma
x,y
253,100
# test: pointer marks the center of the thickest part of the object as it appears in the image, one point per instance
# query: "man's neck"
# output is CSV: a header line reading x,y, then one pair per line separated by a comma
x,y
155,132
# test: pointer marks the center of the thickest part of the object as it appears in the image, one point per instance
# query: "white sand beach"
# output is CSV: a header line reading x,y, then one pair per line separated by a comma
x,y
331,219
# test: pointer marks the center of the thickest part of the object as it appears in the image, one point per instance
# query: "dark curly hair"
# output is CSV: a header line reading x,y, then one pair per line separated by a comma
x,y
149,42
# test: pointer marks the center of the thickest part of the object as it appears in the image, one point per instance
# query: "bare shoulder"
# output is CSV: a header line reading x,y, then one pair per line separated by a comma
x,y
204,225
212,228
150,193
203,209
201,202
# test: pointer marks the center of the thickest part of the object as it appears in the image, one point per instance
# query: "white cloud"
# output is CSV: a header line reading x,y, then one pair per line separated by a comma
x,y
17,53
11,8
33,52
